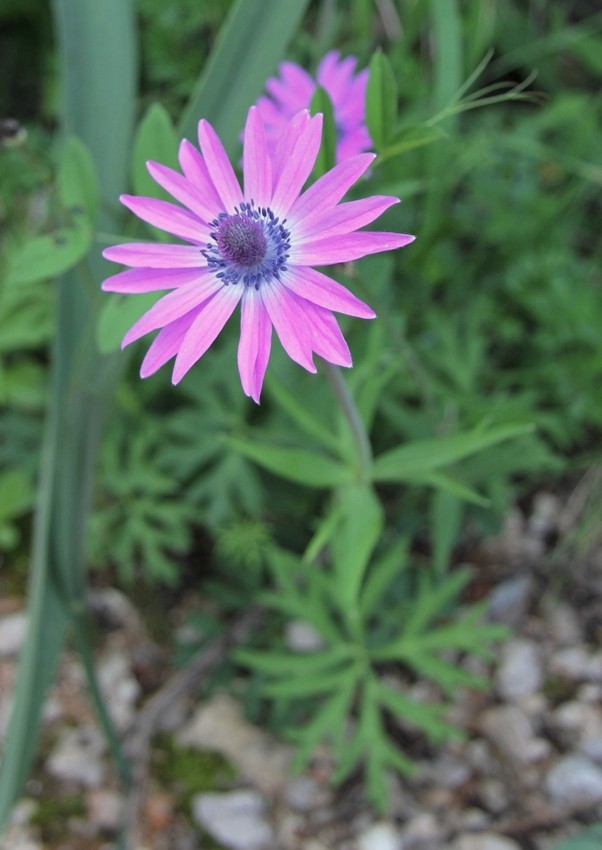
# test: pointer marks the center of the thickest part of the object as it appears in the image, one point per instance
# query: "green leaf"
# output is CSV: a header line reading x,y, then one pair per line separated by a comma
x,y
117,315
44,257
250,43
302,414
16,493
327,154
329,720
412,460
155,139
381,100
408,138
293,664
309,685
381,576
423,716
450,486
360,527
304,467
591,839
77,180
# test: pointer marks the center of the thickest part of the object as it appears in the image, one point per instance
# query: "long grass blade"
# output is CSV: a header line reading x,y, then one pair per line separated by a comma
x,y
253,39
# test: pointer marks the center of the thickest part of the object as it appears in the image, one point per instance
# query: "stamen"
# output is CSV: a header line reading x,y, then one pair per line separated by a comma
x,y
251,246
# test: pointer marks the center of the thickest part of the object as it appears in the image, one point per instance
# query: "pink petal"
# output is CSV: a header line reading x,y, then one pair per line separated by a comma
x,y
322,290
343,249
298,168
205,329
149,280
166,343
182,190
257,165
153,256
219,167
287,140
352,143
168,217
195,170
298,82
325,334
343,219
254,345
289,321
173,306
328,190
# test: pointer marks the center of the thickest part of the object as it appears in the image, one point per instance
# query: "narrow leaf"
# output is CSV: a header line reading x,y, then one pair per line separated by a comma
x,y
77,179
381,100
155,139
413,459
299,465
251,42
44,257
326,159
117,315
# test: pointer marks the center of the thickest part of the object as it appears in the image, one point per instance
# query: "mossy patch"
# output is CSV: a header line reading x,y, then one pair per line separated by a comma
x,y
53,812
186,771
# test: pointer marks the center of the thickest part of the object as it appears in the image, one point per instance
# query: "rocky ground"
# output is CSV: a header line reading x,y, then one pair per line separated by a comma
x,y
528,775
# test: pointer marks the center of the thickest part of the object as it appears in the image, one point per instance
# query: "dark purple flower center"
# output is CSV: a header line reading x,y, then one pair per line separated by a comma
x,y
241,240
250,246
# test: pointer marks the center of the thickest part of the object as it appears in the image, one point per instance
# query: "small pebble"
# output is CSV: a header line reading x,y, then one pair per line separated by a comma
x,y
520,672
236,819
13,629
484,841
380,836
573,779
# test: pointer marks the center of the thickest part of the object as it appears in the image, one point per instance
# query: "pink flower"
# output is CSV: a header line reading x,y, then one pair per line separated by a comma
x,y
254,247
294,88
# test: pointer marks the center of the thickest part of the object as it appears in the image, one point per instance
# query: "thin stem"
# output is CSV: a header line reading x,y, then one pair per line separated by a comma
x,y
82,641
354,420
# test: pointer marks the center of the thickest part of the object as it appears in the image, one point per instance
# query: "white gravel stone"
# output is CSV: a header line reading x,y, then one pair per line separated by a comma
x,y
420,830
577,721
520,672
592,748
13,629
236,819
301,637
493,795
120,687
380,836
510,731
573,779
577,663
304,794
449,771
509,601
105,809
78,757
219,725
484,841
564,626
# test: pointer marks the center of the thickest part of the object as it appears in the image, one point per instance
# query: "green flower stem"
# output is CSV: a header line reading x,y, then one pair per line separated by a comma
x,y
354,420
83,643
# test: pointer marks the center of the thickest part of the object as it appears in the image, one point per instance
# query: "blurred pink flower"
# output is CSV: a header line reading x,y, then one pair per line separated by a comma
x,y
254,247
294,88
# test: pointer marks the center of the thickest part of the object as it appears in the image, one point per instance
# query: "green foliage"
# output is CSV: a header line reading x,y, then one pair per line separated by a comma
x,y
369,611
381,100
588,840
326,159
479,380
139,526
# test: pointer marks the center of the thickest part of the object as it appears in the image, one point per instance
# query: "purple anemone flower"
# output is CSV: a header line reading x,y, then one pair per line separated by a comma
x,y
294,88
255,247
